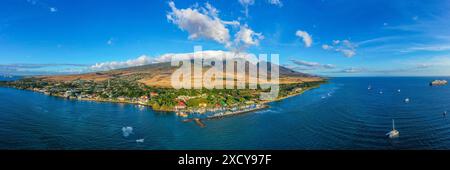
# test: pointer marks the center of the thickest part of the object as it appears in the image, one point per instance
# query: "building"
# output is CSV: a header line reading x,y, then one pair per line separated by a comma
x,y
202,105
153,94
121,99
180,105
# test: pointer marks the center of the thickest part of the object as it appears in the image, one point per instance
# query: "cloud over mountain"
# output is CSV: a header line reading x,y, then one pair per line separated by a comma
x,y
144,59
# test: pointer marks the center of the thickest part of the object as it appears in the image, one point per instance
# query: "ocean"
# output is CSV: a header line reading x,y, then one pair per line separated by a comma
x,y
342,114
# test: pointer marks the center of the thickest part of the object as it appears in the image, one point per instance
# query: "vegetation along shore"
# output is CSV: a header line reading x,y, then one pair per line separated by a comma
x,y
138,85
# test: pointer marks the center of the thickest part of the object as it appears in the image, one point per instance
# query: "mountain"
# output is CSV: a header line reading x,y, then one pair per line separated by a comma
x,y
159,75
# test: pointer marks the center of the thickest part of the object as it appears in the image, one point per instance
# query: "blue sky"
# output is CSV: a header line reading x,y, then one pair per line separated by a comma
x,y
325,37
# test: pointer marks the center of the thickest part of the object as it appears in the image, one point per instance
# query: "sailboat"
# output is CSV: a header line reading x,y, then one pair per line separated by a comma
x,y
407,100
393,133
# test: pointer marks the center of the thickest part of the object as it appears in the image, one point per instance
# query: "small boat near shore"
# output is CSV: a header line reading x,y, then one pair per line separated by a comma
x,y
182,114
186,120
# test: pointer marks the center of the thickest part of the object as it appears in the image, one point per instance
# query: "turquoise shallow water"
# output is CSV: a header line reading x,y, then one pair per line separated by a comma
x,y
342,114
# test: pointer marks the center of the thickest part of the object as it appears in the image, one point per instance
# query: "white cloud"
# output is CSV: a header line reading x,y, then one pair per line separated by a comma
x,y
246,4
275,2
347,52
305,36
326,47
352,70
423,65
247,36
142,60
53,9
200,24
110,41
437,47
207,55
346,47
312,65
204,23
336,42
329,66
32,2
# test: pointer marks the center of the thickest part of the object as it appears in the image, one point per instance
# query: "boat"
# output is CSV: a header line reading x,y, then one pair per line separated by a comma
x,y
139,140
398,90
370,87
393,133
182,114
445,113
438,83
407,100
381,92
187,120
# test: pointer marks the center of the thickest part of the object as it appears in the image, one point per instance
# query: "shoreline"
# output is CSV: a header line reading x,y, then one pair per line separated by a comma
x,y
291,95
260,106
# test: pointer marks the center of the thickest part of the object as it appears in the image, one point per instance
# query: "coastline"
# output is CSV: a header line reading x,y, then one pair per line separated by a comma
x,y
235,110
291,95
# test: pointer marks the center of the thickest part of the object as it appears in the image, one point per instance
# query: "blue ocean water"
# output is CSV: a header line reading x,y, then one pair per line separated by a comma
x,y
342,114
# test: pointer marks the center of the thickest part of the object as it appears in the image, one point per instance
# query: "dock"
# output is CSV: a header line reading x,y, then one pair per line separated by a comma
x,y
233,113
199,122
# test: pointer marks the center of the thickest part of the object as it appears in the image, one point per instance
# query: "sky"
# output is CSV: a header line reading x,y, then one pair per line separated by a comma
x,y
322,37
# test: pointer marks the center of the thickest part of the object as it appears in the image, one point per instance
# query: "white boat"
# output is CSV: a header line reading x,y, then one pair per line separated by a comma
x,y
393,133
370,87
398,90
381,92
139,140
407,100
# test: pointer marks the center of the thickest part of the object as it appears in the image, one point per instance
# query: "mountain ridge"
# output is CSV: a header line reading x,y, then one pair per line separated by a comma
x,y
158,75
